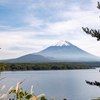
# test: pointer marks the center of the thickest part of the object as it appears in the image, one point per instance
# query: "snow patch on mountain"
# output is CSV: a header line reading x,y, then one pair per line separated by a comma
x,y
63,43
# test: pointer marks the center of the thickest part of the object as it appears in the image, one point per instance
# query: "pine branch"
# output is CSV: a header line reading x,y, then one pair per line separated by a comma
x,y
98,5
93,83
92,32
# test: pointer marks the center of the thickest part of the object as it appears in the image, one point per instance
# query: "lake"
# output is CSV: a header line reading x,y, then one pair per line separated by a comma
x,y
60,84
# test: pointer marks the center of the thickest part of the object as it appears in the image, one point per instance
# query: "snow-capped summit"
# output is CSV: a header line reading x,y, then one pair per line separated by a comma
x,y
63,43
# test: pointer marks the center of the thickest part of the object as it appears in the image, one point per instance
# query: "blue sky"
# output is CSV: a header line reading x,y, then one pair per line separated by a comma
x,y
28,26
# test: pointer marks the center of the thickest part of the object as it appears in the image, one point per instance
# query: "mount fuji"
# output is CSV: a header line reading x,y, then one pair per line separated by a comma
x,y
63,51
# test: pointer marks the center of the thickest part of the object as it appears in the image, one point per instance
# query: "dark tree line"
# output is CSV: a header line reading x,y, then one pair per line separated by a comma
x,y
40,66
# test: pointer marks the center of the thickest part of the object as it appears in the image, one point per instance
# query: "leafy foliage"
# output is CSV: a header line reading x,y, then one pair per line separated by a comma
x,y
19,94
2,66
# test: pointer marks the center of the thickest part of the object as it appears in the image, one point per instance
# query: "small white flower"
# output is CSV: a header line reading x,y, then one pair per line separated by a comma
x,y
18,87
4,96
10,89
31,89
3,87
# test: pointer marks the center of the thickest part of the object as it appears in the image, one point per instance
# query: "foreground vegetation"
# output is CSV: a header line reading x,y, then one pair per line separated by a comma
x,y
19,93
40,66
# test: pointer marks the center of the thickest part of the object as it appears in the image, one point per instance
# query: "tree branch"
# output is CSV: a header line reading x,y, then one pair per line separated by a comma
x,y
93,83
92,32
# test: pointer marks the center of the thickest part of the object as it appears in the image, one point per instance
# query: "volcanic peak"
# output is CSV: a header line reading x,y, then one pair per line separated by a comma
x,y
63,43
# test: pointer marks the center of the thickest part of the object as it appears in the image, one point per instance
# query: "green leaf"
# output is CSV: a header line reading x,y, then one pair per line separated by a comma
x,y
25,93
28,96
13,91
64,99
43,98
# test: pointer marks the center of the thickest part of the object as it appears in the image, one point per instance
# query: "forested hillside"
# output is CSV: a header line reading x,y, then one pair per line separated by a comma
x,y
40,66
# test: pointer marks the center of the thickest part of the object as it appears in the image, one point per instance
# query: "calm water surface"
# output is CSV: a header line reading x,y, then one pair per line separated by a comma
x,y
68,84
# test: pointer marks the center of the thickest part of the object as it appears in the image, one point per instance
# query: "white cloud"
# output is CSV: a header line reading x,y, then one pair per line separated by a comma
x,y
57,21
33,21
15,44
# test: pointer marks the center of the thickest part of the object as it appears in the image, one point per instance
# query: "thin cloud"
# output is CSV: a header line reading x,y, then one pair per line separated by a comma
x,y
36,24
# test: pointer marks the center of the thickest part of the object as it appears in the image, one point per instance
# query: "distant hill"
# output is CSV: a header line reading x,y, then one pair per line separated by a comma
x,y
29,58
63,51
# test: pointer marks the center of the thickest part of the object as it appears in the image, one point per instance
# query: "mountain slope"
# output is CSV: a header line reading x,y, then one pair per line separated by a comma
x,y
65,51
